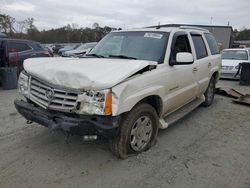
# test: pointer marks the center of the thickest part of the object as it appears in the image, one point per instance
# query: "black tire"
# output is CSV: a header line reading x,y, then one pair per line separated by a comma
x,y
121,145
210,92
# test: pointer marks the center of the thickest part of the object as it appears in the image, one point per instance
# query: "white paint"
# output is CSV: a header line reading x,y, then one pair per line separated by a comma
x,y
84,73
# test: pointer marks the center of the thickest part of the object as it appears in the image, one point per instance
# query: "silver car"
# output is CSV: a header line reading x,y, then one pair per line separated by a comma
x,y
231,58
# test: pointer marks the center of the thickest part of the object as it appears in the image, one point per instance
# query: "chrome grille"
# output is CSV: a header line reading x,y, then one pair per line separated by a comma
x,y
227,67
52,98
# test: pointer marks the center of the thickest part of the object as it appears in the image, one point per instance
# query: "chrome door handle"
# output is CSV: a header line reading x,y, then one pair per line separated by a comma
x,y
195,69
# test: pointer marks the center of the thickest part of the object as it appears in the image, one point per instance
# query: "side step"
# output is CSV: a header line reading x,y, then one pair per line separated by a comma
x,y
183,111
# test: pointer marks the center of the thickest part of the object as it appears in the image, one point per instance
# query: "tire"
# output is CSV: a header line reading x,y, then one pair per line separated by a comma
x,y
210,92
138,131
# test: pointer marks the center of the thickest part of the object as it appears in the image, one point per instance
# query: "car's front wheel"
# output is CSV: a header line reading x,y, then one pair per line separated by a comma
x,y
138,131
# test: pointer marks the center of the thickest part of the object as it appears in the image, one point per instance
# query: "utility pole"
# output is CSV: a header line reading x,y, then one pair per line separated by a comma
x,y
211,20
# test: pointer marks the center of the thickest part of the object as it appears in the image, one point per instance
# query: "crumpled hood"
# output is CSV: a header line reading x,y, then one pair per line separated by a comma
x,y
84,73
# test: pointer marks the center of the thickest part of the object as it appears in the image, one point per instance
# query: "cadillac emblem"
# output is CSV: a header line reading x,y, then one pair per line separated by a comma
x,y
50,94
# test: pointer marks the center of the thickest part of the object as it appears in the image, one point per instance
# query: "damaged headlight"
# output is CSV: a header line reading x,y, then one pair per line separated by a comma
x,y
96,102
23,84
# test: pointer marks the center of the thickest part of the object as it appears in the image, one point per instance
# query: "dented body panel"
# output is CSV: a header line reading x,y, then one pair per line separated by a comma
x,y
83,73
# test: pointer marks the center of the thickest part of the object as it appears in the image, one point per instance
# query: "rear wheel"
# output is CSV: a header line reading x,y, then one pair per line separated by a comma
x,y
138,131
209,94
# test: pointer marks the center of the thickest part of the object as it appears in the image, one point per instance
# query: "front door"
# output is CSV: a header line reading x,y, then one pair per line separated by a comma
x,y
186,88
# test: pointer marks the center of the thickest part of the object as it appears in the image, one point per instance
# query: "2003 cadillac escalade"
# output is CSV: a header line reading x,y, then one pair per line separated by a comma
x,y
130,85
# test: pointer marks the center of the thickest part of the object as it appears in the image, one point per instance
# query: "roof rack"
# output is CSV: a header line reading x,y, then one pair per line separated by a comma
x,y
192,27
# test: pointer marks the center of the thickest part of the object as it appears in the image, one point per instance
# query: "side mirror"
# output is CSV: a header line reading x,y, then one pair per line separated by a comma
x,y
183,58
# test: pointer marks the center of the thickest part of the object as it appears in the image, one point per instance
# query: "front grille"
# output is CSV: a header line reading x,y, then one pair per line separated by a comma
x,y
52,98
227,67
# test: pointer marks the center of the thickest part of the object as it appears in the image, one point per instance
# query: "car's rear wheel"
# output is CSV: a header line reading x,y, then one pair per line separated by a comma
x,y
138,131
210,92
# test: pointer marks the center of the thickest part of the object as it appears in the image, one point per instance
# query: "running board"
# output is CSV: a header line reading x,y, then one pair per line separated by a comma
x,y
180,113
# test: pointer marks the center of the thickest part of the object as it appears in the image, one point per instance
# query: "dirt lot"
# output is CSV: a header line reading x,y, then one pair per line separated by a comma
x,y
208,148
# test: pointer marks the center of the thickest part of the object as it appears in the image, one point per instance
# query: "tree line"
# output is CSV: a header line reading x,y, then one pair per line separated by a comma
x,y
71,33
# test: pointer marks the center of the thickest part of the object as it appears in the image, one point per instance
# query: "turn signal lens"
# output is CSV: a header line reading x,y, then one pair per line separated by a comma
x,y
108,104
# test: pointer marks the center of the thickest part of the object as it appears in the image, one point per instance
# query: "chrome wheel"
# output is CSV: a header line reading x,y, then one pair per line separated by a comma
x,y
141,133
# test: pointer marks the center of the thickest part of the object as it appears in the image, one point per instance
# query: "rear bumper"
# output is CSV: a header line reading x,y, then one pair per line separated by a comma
x,y
74,124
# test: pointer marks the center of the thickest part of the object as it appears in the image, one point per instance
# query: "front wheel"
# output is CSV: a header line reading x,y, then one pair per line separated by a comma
x,y
209,94
138,131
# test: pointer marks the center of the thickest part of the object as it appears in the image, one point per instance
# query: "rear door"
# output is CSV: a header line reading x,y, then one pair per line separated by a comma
x,y
203,61
18,51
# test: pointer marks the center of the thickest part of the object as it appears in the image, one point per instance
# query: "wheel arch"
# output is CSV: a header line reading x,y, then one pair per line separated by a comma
x,y
155,101
215,75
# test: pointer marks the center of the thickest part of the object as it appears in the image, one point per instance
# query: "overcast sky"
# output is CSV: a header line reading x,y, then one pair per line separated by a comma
x,y
129,13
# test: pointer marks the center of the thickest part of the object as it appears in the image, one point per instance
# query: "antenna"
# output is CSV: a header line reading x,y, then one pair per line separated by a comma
x,y
159,25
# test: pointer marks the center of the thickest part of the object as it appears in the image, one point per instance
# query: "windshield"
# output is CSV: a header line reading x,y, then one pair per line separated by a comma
x,y
135,45
234,54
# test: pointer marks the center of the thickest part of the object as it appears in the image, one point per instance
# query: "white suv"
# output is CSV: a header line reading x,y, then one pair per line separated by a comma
x,y
131,84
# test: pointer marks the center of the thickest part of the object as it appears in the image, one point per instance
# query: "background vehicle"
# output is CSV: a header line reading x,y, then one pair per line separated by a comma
x,y
231,58
56,48
131,84
49,50
68,48
17,50
81,50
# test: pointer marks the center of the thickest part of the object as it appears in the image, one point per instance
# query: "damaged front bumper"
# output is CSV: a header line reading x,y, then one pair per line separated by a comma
x,y
106,126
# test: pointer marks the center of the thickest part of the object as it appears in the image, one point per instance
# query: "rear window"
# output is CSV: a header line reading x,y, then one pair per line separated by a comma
x,y
199,46
17,46
212,43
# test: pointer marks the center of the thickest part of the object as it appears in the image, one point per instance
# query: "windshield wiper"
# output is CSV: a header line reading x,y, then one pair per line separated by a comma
x,y
122,56
95,55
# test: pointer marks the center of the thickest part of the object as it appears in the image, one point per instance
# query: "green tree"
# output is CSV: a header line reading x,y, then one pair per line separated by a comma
x,y
243,35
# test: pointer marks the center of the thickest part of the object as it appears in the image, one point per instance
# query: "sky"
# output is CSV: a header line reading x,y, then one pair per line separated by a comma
x,y
129,13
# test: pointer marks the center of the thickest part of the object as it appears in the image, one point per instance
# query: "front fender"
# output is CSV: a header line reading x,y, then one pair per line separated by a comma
x,y
125,99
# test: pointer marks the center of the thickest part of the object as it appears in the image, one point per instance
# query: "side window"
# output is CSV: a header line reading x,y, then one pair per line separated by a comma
x,y
17,46
181,45
199,46
212,43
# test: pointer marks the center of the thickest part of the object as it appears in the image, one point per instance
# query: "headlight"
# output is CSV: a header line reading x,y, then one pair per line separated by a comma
x,y
96,102
237,67
23,84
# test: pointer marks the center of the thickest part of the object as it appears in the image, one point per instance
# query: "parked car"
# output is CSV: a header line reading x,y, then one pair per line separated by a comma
x,y
79,51
68,48
17,50
131,84
49,50
231,58
56,48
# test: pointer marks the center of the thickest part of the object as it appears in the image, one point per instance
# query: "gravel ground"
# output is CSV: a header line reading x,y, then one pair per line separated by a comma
x,y
208,148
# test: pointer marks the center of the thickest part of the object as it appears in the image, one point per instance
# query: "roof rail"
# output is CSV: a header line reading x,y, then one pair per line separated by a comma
x,y
192,27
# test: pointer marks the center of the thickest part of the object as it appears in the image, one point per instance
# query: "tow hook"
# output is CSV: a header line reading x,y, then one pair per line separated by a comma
x,y
29,122
89,137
